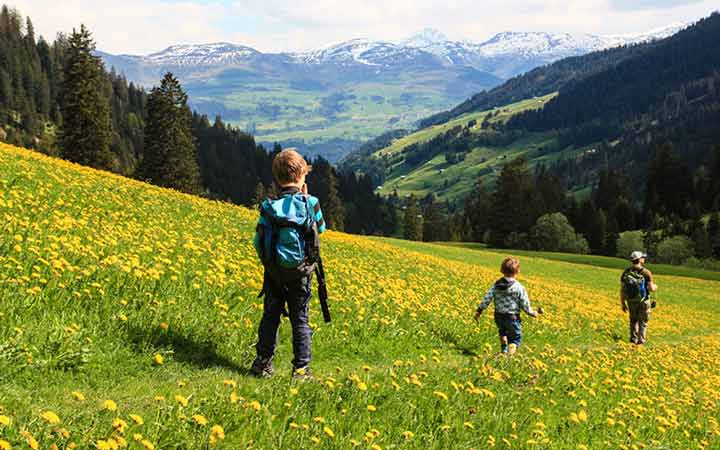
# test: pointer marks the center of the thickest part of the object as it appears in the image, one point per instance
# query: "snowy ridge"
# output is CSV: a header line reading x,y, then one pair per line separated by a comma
x,y
220,53
360,51
505,54
528,45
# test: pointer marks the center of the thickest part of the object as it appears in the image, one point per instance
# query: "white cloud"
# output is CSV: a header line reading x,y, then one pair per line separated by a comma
x,y
142,26
130,26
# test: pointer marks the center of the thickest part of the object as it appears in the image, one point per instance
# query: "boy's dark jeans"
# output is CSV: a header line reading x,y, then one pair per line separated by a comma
x,y
510,326
296,294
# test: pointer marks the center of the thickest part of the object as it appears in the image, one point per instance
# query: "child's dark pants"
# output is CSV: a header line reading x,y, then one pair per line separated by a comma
x,y
296,294
509,325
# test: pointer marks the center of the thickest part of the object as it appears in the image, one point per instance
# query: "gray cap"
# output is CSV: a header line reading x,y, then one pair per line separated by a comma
x,y
634,256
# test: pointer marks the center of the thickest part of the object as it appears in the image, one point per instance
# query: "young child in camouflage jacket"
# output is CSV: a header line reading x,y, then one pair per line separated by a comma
x,y
510,298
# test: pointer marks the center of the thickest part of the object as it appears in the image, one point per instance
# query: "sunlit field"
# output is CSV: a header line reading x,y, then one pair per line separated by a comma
x,y
128,317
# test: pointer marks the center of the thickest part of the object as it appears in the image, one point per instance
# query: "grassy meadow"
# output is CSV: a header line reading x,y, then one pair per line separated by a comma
x,y
129,315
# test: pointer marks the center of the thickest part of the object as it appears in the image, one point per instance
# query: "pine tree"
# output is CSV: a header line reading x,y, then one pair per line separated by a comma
x,y
713,231
323,183
512,210
435,223
85,136
703,247
413,223
259,195
170,156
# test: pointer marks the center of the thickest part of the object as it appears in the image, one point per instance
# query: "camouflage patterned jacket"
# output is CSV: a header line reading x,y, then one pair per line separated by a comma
x,y
509,296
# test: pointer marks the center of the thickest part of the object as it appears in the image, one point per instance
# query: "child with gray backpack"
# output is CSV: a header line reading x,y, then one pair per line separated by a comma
x,y
288,245
636,285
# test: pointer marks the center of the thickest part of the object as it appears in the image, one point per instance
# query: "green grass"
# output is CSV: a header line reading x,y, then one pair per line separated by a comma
x,y
100,274
598,261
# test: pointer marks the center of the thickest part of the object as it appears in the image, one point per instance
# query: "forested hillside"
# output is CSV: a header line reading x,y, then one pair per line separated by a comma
x,y
35,89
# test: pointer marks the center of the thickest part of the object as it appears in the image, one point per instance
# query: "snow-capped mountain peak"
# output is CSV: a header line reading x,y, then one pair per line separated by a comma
x,y
360,51
202,54
425,38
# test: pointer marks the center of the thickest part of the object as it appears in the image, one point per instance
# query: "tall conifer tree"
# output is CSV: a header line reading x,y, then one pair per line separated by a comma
x,y
86,132
170,155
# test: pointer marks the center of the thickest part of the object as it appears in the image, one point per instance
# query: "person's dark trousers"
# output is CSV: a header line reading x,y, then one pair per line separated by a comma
x,y
509,326
296,295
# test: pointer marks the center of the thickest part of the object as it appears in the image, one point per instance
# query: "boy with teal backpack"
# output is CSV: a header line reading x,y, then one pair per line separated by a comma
x,y
636,284
288,245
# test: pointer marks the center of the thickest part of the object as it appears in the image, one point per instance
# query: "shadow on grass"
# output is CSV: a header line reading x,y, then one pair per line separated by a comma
x,y
459,344
187,349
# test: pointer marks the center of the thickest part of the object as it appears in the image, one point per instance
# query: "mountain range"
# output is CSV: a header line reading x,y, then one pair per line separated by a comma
x,y
329,99
574,118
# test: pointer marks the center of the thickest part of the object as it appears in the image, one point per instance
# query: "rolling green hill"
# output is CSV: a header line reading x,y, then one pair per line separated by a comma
x,y
451,181
129,315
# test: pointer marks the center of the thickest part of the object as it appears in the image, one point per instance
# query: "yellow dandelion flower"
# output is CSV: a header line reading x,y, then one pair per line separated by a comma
x,y
137,419
408,434
582,415
371,408
217,431
230,383
440,395
79,396
362,386
119,425
200,420
121,442
183,401
30,440
147,444
319,420
4,420
5,445
328,431
109,405
254,405
103,445
158,359
375,447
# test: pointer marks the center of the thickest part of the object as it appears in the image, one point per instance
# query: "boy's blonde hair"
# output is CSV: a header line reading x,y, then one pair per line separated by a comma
x,y
510,267
289,166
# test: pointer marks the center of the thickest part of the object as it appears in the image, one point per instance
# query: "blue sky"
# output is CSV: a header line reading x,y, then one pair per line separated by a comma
x,y
144,26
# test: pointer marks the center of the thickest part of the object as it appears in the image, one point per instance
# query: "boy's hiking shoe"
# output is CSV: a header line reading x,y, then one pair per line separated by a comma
x,y
262,367
302,374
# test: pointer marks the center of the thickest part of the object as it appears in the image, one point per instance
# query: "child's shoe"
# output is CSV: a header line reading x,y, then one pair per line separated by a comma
x,y
262,367
302,374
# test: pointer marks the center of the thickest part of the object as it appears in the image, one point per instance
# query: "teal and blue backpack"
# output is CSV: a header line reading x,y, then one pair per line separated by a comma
x,y
286,239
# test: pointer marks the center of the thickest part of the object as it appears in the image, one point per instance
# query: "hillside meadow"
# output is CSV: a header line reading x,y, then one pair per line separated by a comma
x,y
128,318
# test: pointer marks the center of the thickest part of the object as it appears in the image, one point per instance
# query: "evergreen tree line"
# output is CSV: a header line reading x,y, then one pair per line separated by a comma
x,y
33,75
668,202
